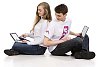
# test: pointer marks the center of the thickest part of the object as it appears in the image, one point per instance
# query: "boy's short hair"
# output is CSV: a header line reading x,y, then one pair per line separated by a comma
x,y
62,8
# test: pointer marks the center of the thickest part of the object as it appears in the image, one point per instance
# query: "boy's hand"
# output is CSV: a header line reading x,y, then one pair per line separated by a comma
x,y
66,38
78,34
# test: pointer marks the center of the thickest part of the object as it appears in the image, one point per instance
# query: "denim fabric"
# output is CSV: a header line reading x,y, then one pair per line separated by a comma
x,y
26,49
73,45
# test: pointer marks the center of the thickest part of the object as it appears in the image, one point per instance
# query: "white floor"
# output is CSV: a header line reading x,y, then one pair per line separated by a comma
x,y
45,60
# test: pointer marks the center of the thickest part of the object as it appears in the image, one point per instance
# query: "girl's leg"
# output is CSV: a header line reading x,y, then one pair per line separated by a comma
x,y
29,49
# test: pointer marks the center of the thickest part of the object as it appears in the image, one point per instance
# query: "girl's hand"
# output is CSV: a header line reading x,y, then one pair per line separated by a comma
x,y
24,35
31,31
24,41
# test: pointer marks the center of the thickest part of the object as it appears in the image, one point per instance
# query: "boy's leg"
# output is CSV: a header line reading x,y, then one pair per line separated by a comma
x,y
67,46
84,53
85,43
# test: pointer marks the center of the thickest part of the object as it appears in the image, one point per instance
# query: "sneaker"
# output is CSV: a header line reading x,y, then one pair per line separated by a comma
x,y
10,52
72,54
84,55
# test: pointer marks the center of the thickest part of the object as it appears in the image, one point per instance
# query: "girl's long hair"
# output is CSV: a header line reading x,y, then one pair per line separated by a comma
x,y
47,13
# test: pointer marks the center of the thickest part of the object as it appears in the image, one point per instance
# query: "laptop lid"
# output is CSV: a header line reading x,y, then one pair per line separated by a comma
x,y
84,31
15,37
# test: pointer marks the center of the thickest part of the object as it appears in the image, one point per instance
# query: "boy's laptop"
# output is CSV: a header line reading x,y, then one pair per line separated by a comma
x,y
16,38
84,31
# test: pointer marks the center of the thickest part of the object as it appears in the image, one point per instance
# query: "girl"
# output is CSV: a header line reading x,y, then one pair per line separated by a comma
x,y
35,45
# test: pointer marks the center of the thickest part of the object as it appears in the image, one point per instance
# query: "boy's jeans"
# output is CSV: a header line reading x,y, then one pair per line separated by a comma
x,y
73,45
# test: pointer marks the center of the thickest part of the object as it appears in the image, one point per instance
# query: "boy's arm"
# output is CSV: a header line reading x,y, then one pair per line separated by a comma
x,y
75,34
48,42
72,33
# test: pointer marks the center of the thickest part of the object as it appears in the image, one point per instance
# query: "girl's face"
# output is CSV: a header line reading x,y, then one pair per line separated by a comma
x,y
40,10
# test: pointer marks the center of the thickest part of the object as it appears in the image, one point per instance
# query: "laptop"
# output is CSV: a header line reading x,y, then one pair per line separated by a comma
x,y
16,38
84,31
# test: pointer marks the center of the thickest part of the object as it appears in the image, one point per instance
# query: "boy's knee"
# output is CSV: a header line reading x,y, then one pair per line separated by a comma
x,y
79,40
86,36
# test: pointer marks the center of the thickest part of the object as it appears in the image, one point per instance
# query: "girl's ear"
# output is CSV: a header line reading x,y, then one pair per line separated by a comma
x,y
46,12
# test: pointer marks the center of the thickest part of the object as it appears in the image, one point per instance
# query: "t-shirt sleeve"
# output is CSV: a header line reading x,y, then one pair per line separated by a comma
x,y
69,21
50,31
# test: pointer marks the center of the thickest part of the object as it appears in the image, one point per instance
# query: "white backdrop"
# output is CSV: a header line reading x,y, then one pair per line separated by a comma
x,y
18,16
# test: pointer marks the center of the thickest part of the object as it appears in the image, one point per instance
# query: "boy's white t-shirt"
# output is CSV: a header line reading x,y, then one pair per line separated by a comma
x,y
57,30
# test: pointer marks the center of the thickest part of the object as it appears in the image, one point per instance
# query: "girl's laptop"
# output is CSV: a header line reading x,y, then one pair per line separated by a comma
x,y
16,38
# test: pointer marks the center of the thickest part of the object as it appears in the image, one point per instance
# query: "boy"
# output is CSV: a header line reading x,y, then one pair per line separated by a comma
x,y
57,37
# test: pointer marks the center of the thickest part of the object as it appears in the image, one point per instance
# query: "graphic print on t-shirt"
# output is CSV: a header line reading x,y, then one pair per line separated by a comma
x,y
65,31
47,32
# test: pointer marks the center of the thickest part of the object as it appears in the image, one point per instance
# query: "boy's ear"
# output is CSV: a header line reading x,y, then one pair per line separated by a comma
x,y
66,14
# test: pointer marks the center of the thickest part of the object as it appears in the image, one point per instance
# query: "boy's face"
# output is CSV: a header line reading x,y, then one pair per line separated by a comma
x,y
60,16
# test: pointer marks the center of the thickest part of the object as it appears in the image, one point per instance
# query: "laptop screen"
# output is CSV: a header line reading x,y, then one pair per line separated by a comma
x,y
14,36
